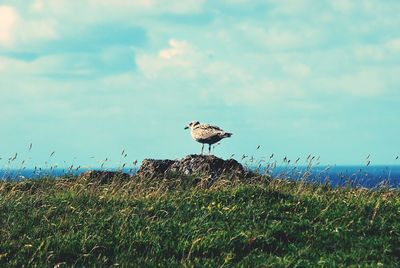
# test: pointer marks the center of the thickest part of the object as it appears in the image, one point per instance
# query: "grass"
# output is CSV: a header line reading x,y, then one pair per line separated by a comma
x,y
273,223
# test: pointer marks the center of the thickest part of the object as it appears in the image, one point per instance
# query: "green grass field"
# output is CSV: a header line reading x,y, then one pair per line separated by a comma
x,y
68,222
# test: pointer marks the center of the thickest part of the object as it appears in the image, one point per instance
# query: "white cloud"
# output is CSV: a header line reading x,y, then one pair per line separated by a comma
x,y
183,61
179,58
16,31
38,6
176,48
9,21
37,30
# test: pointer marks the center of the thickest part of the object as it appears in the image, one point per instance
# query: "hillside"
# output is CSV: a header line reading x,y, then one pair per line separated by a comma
x,y
262,222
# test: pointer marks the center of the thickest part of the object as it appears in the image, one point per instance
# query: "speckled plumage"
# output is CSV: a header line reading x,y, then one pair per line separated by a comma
x,y
205,133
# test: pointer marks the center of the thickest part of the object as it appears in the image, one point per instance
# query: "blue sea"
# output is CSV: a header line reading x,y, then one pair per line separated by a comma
x,y
354,176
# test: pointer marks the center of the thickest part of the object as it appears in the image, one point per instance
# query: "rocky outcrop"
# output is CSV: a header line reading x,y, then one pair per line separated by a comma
x,y
204,165
151,168
200,166
103,176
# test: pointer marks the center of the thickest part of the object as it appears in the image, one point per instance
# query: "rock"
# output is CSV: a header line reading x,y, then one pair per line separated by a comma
x,y
103,176
151,168
211,166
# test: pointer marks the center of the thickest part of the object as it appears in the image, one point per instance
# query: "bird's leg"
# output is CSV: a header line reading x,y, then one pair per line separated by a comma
x,y
202,147
209,149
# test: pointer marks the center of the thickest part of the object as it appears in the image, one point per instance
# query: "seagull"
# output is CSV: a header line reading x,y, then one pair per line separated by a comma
x,y
205,133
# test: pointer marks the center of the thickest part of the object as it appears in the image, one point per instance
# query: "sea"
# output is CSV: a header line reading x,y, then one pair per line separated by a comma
x,y
337,176
343,176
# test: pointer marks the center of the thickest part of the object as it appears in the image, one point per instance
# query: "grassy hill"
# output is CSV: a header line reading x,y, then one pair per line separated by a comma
x,y
274,223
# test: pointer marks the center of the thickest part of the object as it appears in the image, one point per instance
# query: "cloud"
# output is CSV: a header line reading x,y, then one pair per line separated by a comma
x,y
72,65
298,69
271,65
370,52
384,52
122,9
97,37
224,80
363,83
153,6
179,58
17,32
342,5
37,31
186,62
176,49
226,73
272,36
37,6
394,44
98,50
90,39
9,21
288,7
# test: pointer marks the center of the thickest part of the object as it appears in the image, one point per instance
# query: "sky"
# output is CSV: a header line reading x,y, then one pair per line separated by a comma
x,y
89,79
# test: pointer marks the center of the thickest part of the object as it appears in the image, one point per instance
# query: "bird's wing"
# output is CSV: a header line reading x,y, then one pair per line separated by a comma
x,y
213,128
207,131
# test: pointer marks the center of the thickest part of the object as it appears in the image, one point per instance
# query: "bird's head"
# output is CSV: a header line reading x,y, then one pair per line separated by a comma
x,y
192,124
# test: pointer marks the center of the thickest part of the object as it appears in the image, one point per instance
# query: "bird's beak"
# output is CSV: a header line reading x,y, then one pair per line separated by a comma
x,y
186,127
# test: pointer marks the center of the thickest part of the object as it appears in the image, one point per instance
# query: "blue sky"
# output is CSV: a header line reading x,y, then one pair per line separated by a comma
x,y
88,79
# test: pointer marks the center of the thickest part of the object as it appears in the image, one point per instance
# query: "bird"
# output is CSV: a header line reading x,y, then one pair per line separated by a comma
x,y
205,133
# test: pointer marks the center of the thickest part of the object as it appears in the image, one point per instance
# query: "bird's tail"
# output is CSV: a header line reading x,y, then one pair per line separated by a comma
x,y
226,135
